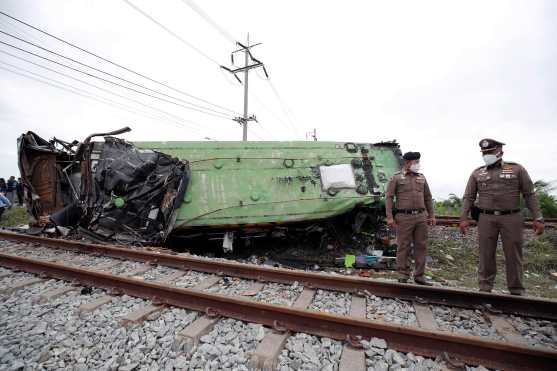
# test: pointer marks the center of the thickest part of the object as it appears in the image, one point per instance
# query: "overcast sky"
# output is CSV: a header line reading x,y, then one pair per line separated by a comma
x,y
437,76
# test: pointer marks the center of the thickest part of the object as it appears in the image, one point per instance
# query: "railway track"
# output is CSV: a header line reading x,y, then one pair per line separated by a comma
x,y
204,286
455,220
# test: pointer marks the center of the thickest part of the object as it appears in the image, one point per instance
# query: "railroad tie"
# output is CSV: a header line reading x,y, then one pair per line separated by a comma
x,y
206,283
425,317
105,299
55,293
253,289
354,359
139,271
92,305
145,311
141,313
108,266
265,355
5,274
12,247
172,277
188,339
21,284
426,321
505,329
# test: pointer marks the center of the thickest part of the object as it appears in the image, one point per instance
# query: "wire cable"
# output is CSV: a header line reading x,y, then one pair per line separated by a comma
x,y
209,20
175,35
143,104
265,107
109,74
180,122
82,93
115,83
115,64
283,106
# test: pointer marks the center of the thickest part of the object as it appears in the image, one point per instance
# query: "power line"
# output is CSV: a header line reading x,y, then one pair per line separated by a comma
x,y
260,102
83,93
109,74
175,35
209,20
180,119
16,28
114,83
283,106
114,63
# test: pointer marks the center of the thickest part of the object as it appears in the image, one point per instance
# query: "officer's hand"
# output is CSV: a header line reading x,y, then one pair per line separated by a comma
x,y
538,227
391,223
432,221
464,226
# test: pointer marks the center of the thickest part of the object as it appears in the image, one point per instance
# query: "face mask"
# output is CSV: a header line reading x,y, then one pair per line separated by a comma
x,y
490,159
415,168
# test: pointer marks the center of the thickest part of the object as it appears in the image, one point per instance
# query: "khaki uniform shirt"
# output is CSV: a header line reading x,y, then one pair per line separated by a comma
x,y
411,192
499,187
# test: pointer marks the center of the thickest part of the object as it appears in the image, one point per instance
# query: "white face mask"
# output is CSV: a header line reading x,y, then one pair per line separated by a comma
x,y
490,159
415,167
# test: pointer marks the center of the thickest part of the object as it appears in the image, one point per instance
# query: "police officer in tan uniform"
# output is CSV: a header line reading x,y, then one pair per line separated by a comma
x,y
413,199
499,185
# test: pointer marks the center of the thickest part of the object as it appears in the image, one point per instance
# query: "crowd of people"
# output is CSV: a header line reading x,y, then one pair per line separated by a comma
x,y
10,192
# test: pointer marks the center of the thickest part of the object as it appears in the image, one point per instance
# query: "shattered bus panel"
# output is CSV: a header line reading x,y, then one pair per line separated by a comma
x,y
110,189
145,191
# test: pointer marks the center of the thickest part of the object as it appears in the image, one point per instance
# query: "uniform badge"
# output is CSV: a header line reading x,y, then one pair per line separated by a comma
x,y
485,143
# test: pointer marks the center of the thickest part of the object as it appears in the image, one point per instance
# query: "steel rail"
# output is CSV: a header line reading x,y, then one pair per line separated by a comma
x,y
469,349
447,220
457,218
519,305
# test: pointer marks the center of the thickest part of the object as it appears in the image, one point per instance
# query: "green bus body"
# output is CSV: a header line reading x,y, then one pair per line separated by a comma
x,y
236,184
144,192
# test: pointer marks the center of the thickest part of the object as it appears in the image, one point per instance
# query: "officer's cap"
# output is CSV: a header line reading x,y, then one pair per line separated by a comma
x,y
489,144
411,156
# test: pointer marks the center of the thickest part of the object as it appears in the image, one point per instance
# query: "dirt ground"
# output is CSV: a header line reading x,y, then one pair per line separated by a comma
x,y
453,261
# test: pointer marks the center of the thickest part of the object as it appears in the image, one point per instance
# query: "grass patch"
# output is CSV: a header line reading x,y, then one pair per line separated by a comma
x,y
14,217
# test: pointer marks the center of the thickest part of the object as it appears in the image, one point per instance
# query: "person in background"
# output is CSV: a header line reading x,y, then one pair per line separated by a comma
x,y
413,199
19,191
11,192
3,186
4,204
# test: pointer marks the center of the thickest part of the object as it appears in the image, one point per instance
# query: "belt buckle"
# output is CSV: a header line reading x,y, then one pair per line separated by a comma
x,y
496,212
414,212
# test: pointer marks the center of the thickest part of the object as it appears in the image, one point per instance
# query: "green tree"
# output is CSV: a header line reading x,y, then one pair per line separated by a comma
x,y
548,202
450,206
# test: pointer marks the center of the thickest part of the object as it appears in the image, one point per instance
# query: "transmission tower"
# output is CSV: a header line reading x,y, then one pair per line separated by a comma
x,y
249,63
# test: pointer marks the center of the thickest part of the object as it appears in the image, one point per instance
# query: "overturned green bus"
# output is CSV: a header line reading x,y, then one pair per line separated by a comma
x,y
147,191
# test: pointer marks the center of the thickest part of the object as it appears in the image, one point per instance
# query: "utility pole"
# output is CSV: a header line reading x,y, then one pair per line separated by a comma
x,y
255,63
312,134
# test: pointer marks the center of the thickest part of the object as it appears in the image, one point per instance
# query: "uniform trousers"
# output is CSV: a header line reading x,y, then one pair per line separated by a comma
x,y
510,227
411,229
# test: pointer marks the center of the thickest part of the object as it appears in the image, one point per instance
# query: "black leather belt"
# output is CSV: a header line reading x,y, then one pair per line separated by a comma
x,y
499,212
410,211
